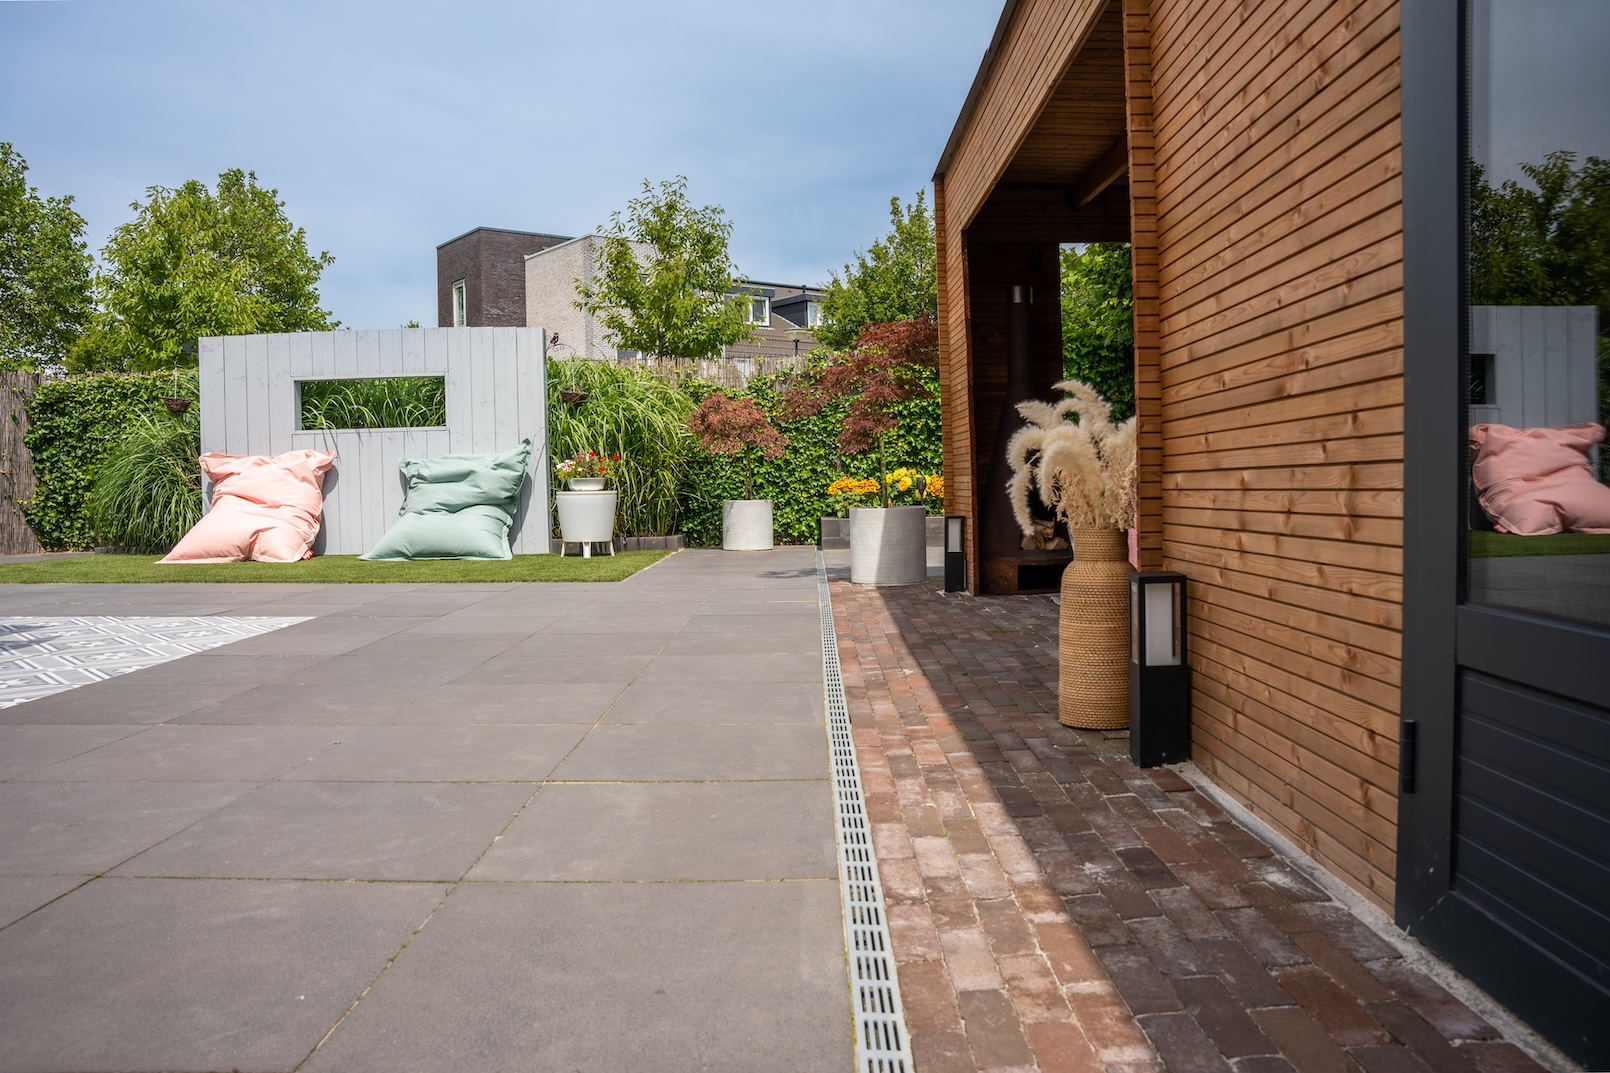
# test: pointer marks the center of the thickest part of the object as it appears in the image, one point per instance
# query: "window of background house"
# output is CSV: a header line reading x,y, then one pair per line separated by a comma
x,y
760,311
1538,347
460,311
813,314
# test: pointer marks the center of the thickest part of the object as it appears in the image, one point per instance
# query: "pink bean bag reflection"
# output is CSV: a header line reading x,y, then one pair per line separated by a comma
x,y
263,508
1534,481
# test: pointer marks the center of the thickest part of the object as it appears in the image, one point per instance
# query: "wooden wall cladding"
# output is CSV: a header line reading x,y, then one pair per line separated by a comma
x,y
1278,369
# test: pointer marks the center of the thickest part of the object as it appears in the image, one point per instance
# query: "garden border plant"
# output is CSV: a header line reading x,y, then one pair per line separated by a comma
x,y
633,413
75,423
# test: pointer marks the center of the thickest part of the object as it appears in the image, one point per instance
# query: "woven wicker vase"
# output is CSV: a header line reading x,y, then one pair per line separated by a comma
x,y
1094,632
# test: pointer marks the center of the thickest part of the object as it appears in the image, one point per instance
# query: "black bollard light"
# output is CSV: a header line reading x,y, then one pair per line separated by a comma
x,y
955,553
1159,672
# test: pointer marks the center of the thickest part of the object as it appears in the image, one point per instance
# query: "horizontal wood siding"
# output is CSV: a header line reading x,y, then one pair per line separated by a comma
x,y
1275,152
1143,260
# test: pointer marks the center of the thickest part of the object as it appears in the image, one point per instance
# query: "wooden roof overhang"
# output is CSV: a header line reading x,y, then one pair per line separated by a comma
x,y
1046,110
1038,157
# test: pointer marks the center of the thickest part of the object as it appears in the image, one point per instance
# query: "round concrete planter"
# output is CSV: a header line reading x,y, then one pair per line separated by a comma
x,y
746,524
585,484
888,545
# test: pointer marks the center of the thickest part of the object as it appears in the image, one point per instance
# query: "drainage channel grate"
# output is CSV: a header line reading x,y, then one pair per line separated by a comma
x,y
881,1044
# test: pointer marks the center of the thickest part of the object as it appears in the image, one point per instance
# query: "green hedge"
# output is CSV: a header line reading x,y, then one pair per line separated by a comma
x,y
74,425
797,482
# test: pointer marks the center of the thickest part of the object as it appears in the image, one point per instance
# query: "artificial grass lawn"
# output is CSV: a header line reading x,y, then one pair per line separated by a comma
x,y
1485,545
327,570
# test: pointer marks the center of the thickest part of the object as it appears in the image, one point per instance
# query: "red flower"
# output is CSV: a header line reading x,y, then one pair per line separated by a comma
x,y
614,458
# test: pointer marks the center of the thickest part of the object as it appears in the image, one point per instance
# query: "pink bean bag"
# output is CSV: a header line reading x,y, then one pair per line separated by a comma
x,y
1533,481
263,508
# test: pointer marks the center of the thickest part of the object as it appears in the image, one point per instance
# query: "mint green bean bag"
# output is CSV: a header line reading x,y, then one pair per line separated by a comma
x,y
457,507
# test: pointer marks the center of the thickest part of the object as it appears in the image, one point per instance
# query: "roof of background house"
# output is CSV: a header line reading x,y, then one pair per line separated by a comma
x,y
501,231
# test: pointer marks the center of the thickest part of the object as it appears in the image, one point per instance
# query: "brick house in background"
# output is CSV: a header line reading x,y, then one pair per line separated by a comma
x,y
480,277
479,273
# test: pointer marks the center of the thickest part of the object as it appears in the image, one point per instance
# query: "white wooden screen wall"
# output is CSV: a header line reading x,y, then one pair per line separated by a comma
x,y
496,381
1545,364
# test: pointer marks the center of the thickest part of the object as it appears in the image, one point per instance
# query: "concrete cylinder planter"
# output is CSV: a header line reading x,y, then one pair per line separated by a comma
x,y
746,524
888,545
586,518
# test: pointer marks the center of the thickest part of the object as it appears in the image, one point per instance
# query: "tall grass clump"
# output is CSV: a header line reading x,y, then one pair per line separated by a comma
x,y
148,491
379,402
633,413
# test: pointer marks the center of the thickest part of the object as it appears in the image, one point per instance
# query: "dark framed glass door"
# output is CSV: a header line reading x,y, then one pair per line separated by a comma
x,y
1504,814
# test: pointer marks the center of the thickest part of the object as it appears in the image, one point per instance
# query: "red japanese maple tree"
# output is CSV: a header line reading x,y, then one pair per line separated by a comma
x,y
736,426
875,376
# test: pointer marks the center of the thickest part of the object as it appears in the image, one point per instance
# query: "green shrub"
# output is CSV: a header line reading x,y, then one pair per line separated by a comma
x,y
148,491
633,413
74,423
378,402
797,482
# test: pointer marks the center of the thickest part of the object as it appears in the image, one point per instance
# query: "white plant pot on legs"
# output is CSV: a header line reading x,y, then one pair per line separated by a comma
x,y
746,524
888,545
586,518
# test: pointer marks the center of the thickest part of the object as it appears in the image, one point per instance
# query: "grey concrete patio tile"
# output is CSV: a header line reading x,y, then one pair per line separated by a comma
x,y
737,702
470,701
171,975
773,666
445,754
464,648
610,977
118,701
726,621
419,603
315,637
21,895
87,828
517,624
556,641
28,747
750,644
669,830
800,607
345,689
604,615
673,752
184,753
524,664
340,830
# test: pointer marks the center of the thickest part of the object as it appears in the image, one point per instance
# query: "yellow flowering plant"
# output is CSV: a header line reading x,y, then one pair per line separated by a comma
x,y
847,492
904,486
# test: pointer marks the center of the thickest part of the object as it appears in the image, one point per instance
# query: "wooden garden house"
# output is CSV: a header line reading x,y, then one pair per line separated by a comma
x,y
1427,722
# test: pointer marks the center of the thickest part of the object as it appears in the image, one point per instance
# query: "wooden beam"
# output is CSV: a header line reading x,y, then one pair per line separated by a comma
x,y
1108,169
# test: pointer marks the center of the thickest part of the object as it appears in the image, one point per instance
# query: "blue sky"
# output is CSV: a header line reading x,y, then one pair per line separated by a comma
x,y
391,127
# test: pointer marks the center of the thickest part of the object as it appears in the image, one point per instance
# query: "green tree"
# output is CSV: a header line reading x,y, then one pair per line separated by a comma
x,y
1546,246
1098,322
666,285
44,270
193,262
893,280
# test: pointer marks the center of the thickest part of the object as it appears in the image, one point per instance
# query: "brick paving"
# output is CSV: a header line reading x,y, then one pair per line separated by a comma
x,y
1055,908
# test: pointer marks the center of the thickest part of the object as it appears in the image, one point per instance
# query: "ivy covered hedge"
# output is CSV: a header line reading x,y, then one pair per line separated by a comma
x,y
797,482
74,424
